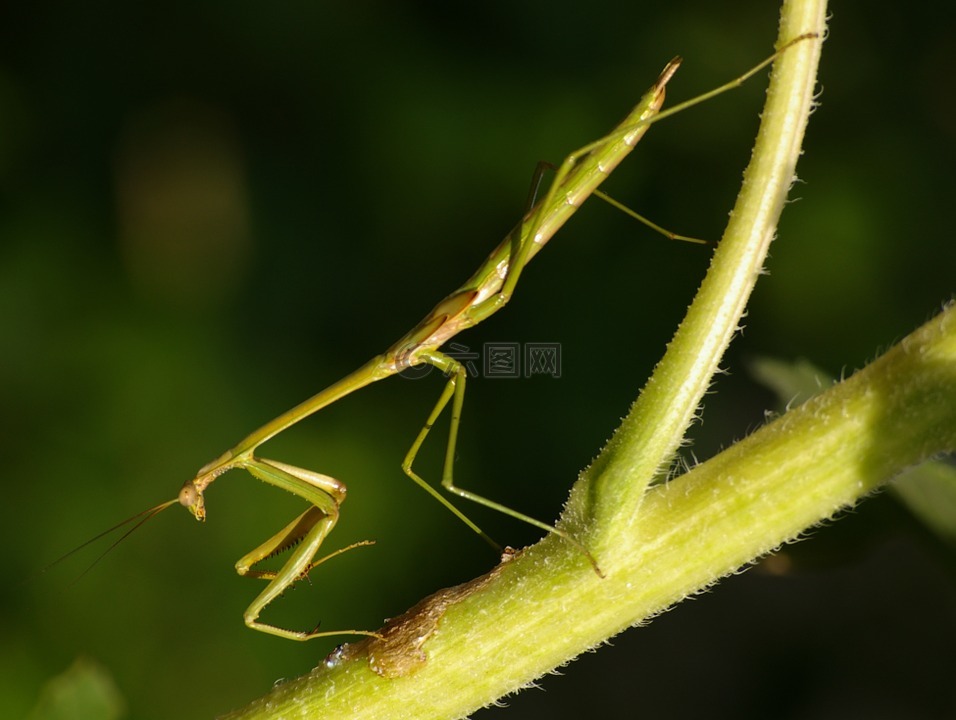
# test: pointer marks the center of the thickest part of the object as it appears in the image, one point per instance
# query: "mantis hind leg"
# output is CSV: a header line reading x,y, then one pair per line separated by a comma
x,y
454,392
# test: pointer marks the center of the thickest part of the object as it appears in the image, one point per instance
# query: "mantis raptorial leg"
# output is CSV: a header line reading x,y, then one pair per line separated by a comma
x,y
487,291
306,533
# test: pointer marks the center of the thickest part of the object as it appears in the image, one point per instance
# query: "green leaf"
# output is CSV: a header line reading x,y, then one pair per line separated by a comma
x,y
85,691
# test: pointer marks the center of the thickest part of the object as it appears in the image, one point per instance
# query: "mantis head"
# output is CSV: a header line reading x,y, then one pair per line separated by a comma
x,y
190,497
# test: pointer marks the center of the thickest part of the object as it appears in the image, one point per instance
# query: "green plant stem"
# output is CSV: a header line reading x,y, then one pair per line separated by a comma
x,y
657,546
546,606
646,441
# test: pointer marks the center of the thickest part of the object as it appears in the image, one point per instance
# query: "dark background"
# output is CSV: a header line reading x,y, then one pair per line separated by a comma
x,y
209,211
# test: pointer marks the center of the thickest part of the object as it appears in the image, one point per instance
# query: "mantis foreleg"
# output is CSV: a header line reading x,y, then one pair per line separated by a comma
x,y
306,534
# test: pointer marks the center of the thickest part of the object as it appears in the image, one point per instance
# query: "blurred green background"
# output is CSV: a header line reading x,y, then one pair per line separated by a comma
x,y
209,211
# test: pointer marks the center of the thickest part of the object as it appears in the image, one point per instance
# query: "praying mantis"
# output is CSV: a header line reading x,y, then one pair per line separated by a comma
x,y
486,292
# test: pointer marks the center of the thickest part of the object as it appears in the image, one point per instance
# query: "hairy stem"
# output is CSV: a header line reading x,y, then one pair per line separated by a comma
x,y
546,606
646,441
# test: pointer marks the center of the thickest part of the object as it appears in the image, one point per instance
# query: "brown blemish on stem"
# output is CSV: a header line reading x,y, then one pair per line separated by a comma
x,y
399,651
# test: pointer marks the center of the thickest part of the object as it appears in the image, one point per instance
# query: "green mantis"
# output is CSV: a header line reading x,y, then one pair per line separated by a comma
x,y
486,292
